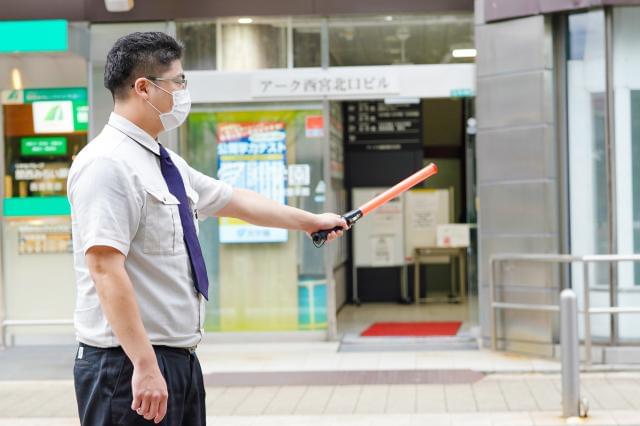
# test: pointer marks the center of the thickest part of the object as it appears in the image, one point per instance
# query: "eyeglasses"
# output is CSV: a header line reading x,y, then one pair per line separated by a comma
x,y
181,80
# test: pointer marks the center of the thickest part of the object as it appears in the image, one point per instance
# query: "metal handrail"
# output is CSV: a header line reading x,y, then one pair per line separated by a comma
x,y
8,323
586,260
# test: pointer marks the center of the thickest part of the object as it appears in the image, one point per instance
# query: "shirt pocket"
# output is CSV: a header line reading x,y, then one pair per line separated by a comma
x,y
163,230
193,206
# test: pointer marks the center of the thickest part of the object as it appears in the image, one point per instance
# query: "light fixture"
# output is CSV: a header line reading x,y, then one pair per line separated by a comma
x,y
245,20
388,18
16,79
396,100
464,53
118,5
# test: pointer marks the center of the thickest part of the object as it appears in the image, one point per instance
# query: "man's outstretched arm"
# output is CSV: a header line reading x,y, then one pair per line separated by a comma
x,y
260,210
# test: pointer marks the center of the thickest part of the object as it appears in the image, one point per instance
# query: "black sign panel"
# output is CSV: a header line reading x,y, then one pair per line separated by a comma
x,y
374,122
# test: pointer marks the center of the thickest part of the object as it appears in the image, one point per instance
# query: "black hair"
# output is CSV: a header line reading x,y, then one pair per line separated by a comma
x,y
138,55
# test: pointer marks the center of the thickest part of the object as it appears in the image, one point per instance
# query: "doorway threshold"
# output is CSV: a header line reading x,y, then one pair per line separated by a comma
x,y
356,343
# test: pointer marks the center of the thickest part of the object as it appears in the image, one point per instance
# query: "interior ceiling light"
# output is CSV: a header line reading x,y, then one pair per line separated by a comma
x,y
245,21
16,79
464,53
118,5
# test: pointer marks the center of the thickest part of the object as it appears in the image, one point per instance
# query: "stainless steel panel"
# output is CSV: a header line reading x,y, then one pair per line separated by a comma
x,y
527,326
505,244
518,208
501,9
516,154
522,99
490,245
513,46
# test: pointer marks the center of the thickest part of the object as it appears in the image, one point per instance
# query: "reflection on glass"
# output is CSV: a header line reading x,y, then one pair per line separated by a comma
x,y
199,40
588,183
254,46
268,286
429,39
626,60
306,46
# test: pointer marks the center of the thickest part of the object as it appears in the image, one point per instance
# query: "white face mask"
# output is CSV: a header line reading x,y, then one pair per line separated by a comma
x,y
180,110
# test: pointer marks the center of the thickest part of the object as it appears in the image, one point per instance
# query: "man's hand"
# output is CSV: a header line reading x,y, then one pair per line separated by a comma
x,y
149,391
327,221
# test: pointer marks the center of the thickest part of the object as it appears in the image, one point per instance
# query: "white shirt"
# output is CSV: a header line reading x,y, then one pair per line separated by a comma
x,y
120,199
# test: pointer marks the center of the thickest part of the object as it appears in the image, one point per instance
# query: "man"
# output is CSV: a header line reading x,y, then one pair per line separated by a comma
x,y
141,278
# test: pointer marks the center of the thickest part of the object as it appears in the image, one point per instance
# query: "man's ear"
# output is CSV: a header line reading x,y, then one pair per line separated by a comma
x,y
141,87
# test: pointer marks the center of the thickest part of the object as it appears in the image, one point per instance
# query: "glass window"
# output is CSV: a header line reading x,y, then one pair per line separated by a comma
x,y
262,279
199,40
253,45
428,39
307,44
588,183
626,62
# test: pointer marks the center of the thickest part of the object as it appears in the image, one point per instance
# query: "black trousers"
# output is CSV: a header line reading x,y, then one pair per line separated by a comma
x,y
102,379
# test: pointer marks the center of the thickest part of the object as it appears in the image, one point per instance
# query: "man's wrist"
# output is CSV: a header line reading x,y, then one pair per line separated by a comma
x,y
145,359
307,221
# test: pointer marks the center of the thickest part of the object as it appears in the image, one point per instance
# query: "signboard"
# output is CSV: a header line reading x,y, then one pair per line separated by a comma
x,y
374,122
53,116
252,156
314,126
461,93
34,36
324,83
54,110
44,239
43,146
453,235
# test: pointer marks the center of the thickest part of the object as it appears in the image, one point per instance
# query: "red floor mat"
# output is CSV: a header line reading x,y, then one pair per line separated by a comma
x,y
413,329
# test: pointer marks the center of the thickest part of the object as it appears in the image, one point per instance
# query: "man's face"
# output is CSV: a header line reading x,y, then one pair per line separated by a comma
x,y
169,81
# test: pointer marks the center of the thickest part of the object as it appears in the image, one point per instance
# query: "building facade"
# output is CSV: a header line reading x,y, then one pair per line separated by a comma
x,y
535,137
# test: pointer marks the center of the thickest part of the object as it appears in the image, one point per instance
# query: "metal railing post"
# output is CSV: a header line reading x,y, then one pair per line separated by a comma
x,y
569,346
587,314
492,308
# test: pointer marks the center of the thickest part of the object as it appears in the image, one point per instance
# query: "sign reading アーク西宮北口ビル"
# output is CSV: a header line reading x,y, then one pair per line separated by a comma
x,y
324,83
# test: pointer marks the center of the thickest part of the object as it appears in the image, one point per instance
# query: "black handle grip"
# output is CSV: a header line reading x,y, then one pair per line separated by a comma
x,y
320,237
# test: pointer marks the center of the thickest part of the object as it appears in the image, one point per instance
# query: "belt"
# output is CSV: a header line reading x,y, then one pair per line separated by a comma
x,y
190,350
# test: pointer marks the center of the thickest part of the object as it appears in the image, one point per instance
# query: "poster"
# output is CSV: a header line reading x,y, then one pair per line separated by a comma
x,y
44,239
253,156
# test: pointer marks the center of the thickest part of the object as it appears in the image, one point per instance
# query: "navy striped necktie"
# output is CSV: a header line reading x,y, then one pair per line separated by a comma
x,y
175,184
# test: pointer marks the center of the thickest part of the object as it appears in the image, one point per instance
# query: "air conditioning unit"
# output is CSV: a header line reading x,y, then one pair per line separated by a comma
x,y
118,5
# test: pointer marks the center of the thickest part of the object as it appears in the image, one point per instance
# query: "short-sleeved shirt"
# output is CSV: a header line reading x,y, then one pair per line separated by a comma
x,y
120,199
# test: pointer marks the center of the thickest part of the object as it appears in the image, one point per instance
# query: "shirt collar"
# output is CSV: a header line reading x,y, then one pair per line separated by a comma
x,y
134,132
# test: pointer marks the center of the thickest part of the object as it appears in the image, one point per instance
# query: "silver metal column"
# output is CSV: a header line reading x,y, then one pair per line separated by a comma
x,y
570,353
610,151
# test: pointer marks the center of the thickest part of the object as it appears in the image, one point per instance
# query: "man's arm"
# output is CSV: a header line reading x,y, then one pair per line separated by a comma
x,y
260,210
118,302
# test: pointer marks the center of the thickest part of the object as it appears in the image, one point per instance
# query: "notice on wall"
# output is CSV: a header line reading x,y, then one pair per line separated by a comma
x,y
253,156
425,210
382,250
44,239
379,238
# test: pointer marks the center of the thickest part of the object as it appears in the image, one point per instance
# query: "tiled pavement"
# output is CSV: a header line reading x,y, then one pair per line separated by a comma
x,y
509,399
356,389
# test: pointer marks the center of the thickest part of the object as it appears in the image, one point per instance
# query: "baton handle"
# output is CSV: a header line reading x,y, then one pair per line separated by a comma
x,y
320,237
